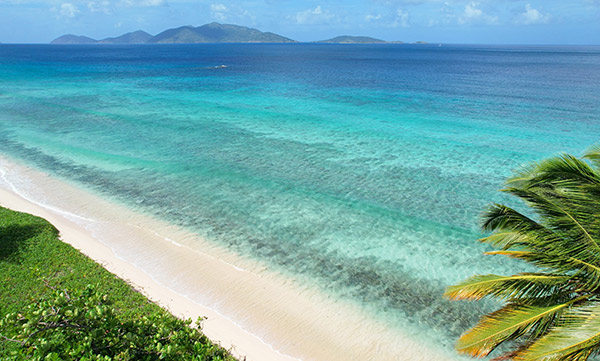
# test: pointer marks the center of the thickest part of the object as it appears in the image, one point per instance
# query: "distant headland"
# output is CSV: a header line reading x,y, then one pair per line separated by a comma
x,y
209,33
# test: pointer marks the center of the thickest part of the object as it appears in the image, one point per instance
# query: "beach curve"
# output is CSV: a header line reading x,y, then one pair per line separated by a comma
x,y
256,313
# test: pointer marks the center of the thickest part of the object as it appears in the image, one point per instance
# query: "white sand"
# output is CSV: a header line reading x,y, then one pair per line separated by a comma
x,y
254,312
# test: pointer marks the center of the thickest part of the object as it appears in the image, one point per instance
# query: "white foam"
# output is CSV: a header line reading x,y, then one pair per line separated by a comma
x,y
43,205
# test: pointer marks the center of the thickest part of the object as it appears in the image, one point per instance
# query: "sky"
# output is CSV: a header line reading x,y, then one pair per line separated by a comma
x,y
437,21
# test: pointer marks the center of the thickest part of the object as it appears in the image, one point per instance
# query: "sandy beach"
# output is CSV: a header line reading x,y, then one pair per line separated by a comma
x,y
254,312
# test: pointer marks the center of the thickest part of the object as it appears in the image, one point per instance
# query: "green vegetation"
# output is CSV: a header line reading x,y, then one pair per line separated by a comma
x,y
553,314
208,33
217,33
347,39
57,304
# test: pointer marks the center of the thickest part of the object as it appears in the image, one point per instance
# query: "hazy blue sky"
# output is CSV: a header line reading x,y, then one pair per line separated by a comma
x,y
451,21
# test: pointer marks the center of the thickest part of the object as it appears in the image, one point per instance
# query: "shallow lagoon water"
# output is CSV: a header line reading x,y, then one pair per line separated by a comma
x,y
359,169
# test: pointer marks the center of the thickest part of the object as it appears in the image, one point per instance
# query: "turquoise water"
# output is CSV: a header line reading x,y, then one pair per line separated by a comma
x,y
360,169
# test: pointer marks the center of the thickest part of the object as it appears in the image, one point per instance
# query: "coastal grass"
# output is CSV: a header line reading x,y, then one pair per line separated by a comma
x,y
35,265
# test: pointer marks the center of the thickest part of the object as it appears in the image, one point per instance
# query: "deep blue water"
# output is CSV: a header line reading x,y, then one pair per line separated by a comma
x,y
361,169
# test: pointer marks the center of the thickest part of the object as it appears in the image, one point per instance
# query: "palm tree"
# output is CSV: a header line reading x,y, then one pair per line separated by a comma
x,y
553,314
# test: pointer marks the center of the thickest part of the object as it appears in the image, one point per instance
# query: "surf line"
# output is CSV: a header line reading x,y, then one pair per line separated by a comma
x,y
43,205
4,177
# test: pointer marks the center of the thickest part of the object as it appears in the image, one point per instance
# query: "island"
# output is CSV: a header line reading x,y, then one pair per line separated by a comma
x,y
218,33
208,33
71,39
211,33
348,39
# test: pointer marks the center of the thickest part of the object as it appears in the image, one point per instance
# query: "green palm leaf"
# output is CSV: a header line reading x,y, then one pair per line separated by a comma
x,y
575,337
515,230
558,263
511,239
563,170
533,241
568,220
521,285
500,217
505,324
555,314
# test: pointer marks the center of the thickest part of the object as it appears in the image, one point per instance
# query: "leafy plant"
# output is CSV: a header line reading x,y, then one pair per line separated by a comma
x,y
83,325
36,269
553,314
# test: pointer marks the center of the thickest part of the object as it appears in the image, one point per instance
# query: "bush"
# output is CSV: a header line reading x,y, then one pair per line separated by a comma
x,y
83,325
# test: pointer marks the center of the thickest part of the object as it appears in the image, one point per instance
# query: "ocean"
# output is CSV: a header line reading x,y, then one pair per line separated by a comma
x,y
358,170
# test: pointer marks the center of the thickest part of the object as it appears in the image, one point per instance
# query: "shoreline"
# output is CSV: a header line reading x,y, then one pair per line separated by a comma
x,y
255,313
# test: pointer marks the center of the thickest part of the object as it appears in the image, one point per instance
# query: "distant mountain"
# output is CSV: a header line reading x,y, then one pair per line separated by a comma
x,y
217,33
210,33
347,39
73,39
184,34
136,37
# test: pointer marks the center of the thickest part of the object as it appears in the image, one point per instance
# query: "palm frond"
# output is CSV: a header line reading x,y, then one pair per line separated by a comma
x,y
588,273
579,225
563,170
525,240
574,337
514,230
499,217
506,324
511,239
556,314
513,287
593,154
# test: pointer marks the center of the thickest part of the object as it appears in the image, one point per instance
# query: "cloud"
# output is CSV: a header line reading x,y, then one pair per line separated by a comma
x,y
532,16
153,3
232,13
372,17
100,7
68,10
398,18
313,16
218,11
401,19
473,14
218,7
445,15
144,3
